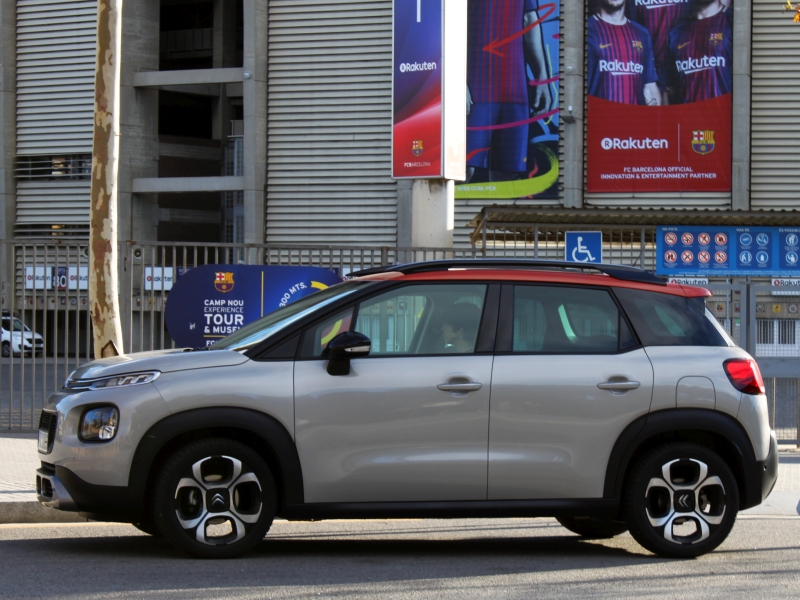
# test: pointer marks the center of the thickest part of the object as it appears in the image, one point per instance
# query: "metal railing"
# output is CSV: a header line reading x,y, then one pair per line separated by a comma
x,y
45,285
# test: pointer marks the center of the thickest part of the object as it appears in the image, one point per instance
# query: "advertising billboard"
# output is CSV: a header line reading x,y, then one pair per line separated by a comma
x,y
512,99
210,302
713,251
659,82
428,96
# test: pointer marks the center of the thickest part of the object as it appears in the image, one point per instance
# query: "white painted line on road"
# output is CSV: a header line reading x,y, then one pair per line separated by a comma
x,y
81,524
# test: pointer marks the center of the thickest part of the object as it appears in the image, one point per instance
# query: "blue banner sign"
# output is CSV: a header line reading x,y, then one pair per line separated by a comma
x,y
707,251
210,302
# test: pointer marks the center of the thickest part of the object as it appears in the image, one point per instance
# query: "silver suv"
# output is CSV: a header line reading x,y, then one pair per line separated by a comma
x,y
597,394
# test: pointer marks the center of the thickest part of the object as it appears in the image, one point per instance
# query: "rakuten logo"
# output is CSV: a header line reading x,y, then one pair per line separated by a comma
x,y
617,67
651,4
632,144
693,65
414,67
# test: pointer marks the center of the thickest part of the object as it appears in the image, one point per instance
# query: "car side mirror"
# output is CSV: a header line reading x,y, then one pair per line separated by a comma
x,y
342,348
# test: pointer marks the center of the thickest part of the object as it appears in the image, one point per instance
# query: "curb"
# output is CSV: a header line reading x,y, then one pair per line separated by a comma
x,y
34,512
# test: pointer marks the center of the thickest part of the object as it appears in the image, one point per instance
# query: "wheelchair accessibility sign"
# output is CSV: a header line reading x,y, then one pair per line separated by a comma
x,y
584,246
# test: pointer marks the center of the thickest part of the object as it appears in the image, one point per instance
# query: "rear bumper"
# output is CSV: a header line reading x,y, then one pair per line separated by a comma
x,y
760,476
61,489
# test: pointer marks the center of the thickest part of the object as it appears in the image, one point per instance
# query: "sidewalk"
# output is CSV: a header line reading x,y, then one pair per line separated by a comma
x,y
19,461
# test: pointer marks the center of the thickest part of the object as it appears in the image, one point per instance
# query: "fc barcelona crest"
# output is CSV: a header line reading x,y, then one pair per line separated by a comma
x,y
703,141
223,282
637,45
715,39
416,147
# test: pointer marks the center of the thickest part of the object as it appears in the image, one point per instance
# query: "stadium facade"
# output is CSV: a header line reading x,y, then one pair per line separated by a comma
x,y
269,121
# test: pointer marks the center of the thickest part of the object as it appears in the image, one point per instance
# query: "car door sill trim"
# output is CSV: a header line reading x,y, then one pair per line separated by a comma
x,y
594,507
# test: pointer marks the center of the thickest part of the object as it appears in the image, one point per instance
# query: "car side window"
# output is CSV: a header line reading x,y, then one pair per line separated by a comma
x,y
565,320
667,320
423,319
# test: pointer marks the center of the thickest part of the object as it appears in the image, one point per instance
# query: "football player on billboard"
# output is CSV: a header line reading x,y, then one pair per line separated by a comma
x,y
620,52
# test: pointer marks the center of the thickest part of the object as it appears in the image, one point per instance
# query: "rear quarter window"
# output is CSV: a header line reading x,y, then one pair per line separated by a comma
x,y
666,320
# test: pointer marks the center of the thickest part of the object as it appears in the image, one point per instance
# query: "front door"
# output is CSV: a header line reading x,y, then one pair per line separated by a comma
x,y
570,379
410,422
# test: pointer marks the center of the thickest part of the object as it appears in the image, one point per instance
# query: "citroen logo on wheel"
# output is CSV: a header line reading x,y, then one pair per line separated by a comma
x,y
683,501
217,500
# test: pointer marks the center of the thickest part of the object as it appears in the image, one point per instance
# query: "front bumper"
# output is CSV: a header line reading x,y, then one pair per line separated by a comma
x,y
59,488
760,476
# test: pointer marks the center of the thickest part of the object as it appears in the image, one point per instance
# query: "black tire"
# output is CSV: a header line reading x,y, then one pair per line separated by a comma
x,y
6,351
686,486
217,483
590,527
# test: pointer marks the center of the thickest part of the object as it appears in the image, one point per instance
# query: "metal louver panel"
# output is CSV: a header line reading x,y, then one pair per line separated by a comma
x,y
55,75
329,123
775,128
47,202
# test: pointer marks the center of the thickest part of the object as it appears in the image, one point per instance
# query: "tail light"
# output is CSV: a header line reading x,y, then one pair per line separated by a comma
x,y
744,375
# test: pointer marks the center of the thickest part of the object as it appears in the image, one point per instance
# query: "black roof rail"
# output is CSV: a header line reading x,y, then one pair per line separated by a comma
x,y
622,272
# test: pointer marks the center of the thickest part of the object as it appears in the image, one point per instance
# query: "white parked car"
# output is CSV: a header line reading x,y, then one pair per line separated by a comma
x,y
18,338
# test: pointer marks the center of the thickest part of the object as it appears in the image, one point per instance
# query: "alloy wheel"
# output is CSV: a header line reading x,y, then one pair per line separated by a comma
x,y
686,502
218,499
214,498
681,500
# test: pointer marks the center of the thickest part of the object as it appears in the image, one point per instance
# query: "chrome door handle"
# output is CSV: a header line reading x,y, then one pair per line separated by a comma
x,y
459,387
619,386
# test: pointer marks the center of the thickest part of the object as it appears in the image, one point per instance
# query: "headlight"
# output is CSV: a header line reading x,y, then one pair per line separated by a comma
x,y
111,382
99,424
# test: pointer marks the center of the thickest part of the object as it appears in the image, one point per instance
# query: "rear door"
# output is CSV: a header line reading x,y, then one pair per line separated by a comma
x,y
568,378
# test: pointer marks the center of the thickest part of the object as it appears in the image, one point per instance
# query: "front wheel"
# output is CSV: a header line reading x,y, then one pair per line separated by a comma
x,y
681,501
215,498
590,527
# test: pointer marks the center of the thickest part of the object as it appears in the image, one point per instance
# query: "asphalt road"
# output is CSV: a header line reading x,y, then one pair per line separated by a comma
x,y
517,558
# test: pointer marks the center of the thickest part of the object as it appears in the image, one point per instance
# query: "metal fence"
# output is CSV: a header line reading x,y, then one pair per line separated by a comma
x,y
47,330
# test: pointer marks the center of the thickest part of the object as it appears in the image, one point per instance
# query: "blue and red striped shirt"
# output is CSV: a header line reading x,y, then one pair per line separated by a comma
x,y
620,61
701,58
659,17
500,76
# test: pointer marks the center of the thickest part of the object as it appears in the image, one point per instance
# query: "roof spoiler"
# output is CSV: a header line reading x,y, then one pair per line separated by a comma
x,y
622,272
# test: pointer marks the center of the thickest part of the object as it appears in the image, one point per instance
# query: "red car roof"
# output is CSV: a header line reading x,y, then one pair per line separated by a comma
x,y
541,275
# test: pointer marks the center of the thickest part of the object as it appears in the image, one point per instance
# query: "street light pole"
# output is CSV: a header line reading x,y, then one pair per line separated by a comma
x,y
103,249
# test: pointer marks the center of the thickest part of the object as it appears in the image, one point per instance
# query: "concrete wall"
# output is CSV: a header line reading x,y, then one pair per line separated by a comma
x,y
138,215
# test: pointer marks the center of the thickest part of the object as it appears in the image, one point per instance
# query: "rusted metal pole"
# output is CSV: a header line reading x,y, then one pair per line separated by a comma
x,y
103,257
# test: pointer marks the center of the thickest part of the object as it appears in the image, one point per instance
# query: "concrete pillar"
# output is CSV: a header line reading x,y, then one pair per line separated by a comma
x,y
432,214
8,141
138,213
404,187
742,40
8,118
573,76
254,98
224,34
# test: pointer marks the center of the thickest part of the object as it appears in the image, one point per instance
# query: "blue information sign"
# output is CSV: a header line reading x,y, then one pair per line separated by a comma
x,y
728,251
212,301
584,246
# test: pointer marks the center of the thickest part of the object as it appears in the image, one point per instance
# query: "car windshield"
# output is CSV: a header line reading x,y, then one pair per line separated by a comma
x,y
257,331
18,326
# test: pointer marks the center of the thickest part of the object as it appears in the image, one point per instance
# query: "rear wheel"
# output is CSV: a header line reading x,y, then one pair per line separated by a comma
x,y
590,527
6,349
681,501
214,498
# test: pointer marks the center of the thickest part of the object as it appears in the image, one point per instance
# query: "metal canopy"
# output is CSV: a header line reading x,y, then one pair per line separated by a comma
x,y
522,219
